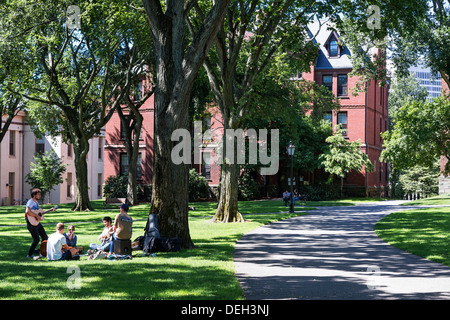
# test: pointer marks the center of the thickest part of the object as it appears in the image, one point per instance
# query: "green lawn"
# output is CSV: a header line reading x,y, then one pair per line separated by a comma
x,y
206,272
203,209
437,200
423,232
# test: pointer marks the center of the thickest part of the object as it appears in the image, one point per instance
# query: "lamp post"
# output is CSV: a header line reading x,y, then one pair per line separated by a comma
x,y
290,151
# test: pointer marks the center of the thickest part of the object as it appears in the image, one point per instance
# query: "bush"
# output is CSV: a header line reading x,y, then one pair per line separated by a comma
x,y
115,187
248,188
320,192
198,186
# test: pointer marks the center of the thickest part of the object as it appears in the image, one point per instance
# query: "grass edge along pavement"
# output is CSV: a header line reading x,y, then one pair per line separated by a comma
x,y
424,232
206,272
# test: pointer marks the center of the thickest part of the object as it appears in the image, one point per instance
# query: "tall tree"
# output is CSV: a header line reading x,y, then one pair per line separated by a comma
x,y
421,134
74,72
10,104
344,156
402,91
178,60
253,33
407,32
46,172
131,123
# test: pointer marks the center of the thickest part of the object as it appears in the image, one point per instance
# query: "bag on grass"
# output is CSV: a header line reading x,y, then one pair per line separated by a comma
x,y
168,244
149,244
138,243
151,228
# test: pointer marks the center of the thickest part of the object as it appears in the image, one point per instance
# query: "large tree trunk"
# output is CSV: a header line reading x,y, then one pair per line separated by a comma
x,y
227,210
170,181
170,197
133,155
132,198
176,68
82,201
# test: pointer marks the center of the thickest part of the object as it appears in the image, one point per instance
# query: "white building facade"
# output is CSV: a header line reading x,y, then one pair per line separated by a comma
x,y
17,151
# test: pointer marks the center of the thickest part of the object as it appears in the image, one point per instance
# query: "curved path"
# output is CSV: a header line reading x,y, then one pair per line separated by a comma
x,y
333,253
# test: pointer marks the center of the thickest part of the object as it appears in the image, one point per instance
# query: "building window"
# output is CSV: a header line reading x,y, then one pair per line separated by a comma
x,y
380,173
39,147
386,173
122,127
141,133
342,120
139,91
328,116
99,185
296,76
12,143
69,151
124,165
100,148
69,185
206,165
327,81
342,85
207,121
334,49
129,118
11,183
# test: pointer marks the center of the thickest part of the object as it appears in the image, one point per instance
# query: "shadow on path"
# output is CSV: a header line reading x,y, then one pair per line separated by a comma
x,y
333,253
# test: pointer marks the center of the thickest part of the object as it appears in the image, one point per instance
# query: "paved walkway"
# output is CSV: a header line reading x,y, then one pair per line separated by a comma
x,y
333,253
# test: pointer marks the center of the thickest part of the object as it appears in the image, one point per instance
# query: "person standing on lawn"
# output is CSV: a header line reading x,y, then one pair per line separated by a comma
x,y
37,231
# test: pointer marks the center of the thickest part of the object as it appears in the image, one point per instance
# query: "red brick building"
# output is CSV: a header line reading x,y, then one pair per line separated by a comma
x,y
116,159
364,116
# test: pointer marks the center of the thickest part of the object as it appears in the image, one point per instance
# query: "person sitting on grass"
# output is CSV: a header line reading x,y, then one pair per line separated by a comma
x,y
105,236
71,238
57,248
123,226
295,196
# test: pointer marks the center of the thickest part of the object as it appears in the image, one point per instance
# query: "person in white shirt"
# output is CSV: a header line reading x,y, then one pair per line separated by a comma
x,y
57,248
105,237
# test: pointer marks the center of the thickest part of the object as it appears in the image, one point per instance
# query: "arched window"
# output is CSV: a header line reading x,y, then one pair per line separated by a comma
x,y
334,48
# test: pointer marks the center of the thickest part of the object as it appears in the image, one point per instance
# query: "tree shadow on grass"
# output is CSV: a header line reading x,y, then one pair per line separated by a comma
x,y
139,278
187,274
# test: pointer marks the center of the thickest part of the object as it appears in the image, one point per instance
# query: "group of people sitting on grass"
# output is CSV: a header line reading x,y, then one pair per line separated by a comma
x,y
63,246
